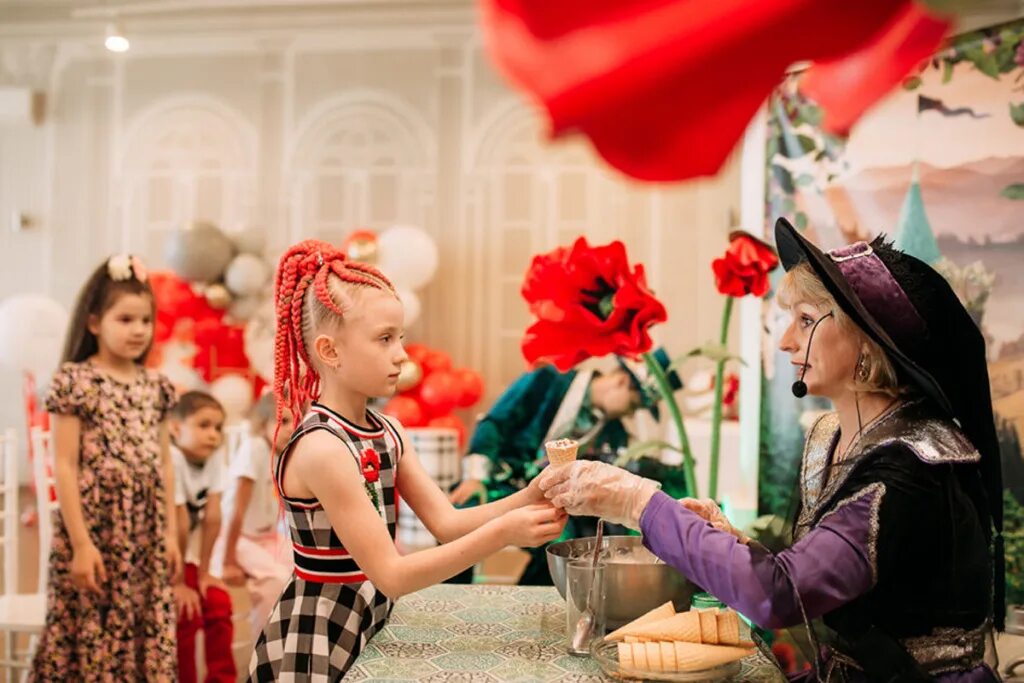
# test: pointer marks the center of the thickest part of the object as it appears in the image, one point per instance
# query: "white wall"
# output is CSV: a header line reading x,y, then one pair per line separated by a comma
x,y
316,126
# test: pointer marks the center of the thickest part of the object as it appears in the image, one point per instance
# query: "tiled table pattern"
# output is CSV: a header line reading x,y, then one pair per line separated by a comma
x,y
482,633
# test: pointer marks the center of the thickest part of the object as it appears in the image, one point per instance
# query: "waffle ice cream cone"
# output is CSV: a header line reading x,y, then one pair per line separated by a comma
x,y
657,614
694,657
685,626
561,451
668,657
708,626
728,627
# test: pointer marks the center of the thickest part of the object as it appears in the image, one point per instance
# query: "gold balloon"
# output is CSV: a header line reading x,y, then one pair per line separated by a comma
x,y
361,246
218,296
409,375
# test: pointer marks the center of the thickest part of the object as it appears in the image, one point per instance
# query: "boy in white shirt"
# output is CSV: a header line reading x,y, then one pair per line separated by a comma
x,y
250,548
196,426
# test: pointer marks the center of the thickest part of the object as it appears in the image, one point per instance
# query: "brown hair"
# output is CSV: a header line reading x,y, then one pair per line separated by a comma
x,y
191,402
99,293
313,285
801,284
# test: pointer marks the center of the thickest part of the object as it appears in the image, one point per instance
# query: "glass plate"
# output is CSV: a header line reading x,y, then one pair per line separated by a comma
x,y
607,656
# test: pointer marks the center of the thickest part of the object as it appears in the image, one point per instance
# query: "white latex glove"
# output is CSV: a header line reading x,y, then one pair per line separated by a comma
x,y
592,488
709,510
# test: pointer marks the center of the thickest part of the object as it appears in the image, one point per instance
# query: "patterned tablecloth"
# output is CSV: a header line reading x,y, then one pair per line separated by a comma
x,y
485,633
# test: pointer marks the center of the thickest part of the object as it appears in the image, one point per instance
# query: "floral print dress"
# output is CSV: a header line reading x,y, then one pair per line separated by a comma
x,y
126,631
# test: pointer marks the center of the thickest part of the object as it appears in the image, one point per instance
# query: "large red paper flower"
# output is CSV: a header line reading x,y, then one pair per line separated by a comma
x,y
588,302
744,267
665,88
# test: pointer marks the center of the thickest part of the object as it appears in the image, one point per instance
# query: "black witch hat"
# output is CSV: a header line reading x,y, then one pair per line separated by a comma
x,y
910,310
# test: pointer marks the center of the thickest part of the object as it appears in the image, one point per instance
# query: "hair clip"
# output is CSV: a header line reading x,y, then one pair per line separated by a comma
x,y
121,267
319,259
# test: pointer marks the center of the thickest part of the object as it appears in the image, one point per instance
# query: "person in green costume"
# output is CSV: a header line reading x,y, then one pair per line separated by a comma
x,y
507,448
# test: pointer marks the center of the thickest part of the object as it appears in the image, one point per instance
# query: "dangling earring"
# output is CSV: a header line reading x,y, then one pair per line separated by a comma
x,y
863,369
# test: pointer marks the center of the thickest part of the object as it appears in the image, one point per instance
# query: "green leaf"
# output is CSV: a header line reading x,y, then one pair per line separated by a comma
x,y
639,450
1014,191
814,115
912,83
801,220
784,178
947,71
807,143
984,62
804,179
715,352
1017,113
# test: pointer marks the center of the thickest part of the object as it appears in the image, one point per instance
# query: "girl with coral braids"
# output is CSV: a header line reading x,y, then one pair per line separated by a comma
x,y
339,343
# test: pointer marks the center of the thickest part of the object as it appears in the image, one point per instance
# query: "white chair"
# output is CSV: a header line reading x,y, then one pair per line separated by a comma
x,y
44,474
19,613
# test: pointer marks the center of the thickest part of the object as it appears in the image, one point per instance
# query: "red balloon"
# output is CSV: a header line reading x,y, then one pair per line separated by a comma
x,y
435,361
417,352
406,410
451,422
439,392
472,386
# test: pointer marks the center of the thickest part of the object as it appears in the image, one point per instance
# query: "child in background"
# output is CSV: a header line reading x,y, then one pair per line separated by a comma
x,y
110,607
203,602
339,343
249,548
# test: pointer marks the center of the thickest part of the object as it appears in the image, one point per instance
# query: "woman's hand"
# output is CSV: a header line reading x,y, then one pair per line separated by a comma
x,y
709,510
588,487
533,525
87,572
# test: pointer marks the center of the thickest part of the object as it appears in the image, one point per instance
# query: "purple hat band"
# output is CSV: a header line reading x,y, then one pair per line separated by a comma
x,y
879,291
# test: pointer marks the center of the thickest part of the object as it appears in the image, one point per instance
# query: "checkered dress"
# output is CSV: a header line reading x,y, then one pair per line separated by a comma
x,y
329,610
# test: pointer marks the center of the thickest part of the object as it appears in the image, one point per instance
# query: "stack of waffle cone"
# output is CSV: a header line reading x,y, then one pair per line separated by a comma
x,y
667,657
562,451
662,641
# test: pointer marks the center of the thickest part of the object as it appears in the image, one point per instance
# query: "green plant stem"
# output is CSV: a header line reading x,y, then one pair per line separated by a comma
x,y
716,407
665,388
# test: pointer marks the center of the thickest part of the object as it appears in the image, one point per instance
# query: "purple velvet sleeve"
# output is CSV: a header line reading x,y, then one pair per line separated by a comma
x,y
829,566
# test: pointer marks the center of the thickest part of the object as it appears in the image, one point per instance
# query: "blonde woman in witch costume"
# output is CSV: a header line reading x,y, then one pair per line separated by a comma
x,y
898,534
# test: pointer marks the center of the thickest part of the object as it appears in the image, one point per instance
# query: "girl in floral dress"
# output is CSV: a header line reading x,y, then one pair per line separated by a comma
x,y
110,605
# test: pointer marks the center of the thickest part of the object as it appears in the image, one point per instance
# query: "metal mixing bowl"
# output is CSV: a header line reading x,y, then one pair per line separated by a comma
x,y
636,582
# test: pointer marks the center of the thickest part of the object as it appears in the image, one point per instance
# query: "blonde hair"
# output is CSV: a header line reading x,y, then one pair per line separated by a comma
x,y
802,285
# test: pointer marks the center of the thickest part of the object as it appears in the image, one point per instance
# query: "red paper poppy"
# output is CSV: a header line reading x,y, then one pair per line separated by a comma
x,y
588,302
744,267
665,88
371,465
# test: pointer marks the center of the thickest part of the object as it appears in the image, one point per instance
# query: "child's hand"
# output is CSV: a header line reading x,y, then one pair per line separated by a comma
x,y
533,525
233,574
534,492
87,572
174,563
188,602
206,582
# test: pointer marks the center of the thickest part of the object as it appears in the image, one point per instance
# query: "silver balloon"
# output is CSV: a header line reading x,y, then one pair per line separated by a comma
x,y
199,253
250,241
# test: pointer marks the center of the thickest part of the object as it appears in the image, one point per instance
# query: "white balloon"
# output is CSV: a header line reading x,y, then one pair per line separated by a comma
x,y
259,340
32,329
411,304
246,275
234,393
407,255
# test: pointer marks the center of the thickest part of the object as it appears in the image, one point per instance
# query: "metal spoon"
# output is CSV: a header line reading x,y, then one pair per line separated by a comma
x,y
585,626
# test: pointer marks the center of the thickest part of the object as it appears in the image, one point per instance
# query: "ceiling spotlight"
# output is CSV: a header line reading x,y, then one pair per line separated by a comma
x,y
115,41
